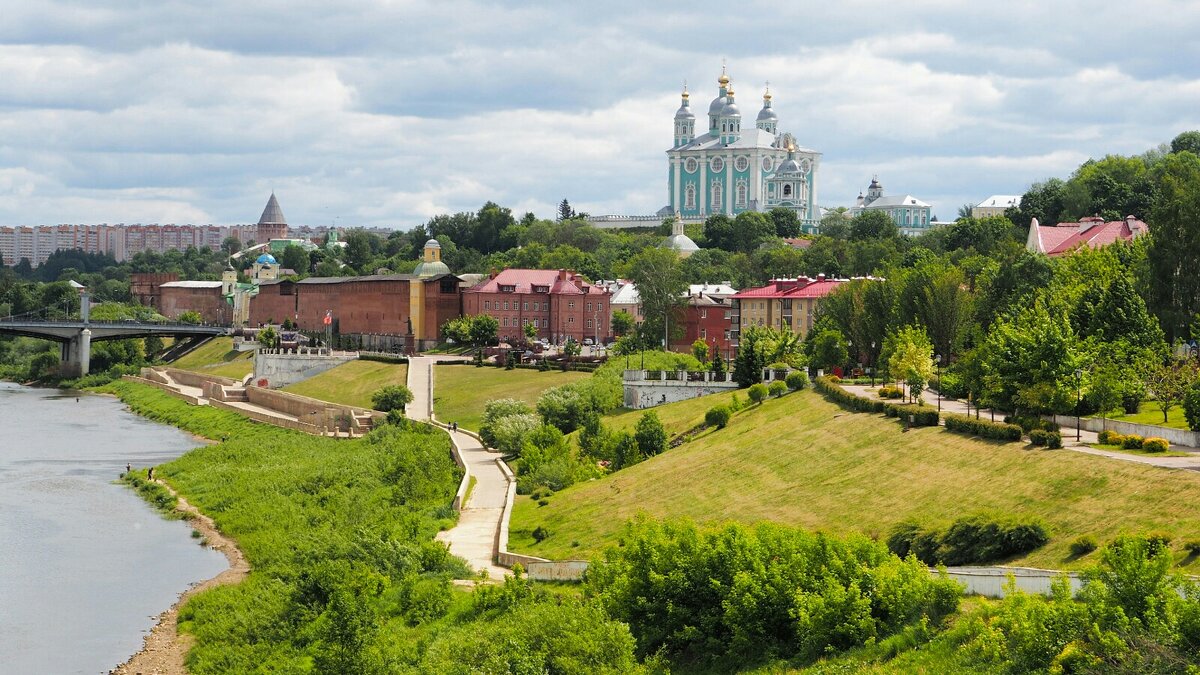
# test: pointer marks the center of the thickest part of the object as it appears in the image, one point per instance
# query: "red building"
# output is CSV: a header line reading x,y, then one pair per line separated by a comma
x,y
382,304
786,304
145,287
1094,232
558,303
203,297
709,317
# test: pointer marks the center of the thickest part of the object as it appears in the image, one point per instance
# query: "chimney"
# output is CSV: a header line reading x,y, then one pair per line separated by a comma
x,y
562,275
821,277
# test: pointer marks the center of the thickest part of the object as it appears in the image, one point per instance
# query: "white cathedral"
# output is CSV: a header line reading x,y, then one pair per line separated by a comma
x,y
728,169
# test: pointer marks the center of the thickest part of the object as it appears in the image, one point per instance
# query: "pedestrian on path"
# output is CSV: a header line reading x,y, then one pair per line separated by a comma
x,y
150,473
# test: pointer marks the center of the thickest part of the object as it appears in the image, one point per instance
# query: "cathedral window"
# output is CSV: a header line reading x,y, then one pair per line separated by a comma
x,y
741,194
787,190
689,197
741,163
715,201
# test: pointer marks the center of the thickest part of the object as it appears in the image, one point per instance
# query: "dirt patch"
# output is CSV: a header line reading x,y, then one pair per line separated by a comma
x,y
164,648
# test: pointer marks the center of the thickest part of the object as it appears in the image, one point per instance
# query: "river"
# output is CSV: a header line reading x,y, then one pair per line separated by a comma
x,y
85,565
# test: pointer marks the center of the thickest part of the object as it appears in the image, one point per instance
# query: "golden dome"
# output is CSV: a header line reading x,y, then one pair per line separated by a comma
x,y
723,79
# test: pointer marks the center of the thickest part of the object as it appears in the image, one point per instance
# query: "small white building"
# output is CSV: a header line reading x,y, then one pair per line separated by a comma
x,y
910,214
995,205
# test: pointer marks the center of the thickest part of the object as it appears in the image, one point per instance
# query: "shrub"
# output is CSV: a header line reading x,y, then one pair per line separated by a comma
x,y
778,388
540,533
1155,444
1158,541
1037,436
923,416
1132,442
717,416
1192,547
1191,407
796,380
391,397
735,402
1083,545
650,435
758,392
1054,440
974,540
834,379
1106,437
983,428
889,391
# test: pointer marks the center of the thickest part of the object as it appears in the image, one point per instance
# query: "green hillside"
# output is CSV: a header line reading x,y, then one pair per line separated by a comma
x,y
351,383
217,357
460,392
803,461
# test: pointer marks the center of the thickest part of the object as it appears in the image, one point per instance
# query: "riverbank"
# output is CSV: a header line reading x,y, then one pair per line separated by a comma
x,y
164,649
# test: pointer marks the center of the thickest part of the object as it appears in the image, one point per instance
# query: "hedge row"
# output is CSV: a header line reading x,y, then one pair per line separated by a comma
x,y
1050,439
974,540
964,424
922,416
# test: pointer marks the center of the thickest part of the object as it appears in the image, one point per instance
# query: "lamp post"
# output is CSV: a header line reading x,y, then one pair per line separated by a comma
x,y
1078,400
939,374
871,355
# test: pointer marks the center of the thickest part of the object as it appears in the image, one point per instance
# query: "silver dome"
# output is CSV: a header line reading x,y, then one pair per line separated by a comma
x,y
716,106
731,110
684,112
789,165
767,114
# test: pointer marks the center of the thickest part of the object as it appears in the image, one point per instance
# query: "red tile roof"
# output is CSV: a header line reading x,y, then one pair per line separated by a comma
x,y
561,282
1058,239
803,287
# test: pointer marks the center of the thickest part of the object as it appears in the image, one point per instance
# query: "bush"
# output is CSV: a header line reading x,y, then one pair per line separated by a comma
x,y
1155,444
922,416
1054,440
996,431
975,540
778,388
834,379
1191,407
889,391
1192,547
758,392
540,533
650,434
1037,436
391,397
1083,545
1029,423
796,380
717,416
1106,437
1132,442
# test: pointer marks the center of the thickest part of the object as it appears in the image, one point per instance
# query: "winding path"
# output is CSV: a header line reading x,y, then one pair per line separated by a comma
x,y
164,649
475,537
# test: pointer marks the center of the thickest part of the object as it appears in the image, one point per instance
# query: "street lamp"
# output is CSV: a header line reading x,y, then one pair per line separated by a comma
x,y
939,374
1078,400
871,355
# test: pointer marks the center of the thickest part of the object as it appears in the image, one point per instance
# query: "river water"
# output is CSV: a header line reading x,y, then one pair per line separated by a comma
x,y
85,565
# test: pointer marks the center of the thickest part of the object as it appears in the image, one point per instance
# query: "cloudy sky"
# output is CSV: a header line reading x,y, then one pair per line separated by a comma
x,y
385,112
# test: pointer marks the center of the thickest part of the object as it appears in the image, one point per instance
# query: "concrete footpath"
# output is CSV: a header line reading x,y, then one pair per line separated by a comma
x,y
474,538
1085,438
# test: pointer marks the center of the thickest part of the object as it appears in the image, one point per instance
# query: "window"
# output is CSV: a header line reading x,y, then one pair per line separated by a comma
x,y
741,163
524,322
716,196
570,319
571,305
718,165
545,307
728,314
505,304
487,304
689,197
726,335
741,194
690,165
703,333
525,306
506,322
787,190
588,307
588,323
704,314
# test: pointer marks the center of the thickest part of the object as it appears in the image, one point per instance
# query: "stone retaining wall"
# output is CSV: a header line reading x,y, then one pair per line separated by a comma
x,y
282,369
1183,437
193,379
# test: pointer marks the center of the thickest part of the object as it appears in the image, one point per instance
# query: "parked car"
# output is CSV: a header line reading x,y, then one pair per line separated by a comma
x,y
588,341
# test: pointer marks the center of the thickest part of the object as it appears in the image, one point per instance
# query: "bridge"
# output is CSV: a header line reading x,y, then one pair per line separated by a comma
x,y
77,336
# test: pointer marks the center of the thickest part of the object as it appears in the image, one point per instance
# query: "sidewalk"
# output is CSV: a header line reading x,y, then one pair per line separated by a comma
x,y
1086,438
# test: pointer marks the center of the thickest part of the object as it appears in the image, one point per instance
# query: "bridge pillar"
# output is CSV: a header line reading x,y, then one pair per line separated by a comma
x,y
77,354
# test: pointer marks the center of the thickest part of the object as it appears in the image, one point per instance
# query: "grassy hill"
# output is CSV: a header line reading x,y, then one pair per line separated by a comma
x,y
460,392
351,383
804,461
217,357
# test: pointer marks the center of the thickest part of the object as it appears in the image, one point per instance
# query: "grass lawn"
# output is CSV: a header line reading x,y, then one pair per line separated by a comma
x,y
460,392
803,461
351,383
1150,413
217,357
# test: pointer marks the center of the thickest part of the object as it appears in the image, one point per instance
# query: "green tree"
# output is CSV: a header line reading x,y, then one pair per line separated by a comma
x,y
295,258
836,223
231,245
359,252
268,338
191,317
758,392
752,228
661,287
719,232
873,225
348,626
718,364
391,397
751,356
153,345
1175,248
700,350
827,349
530,331
912,359
622,323
787,223
1188,141
1030,357
650,435
1169,382
483,330
565,212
